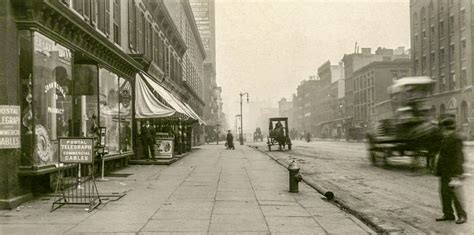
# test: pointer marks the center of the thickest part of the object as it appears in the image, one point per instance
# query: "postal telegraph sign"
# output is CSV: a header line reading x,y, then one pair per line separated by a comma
x,y
10,133
76,150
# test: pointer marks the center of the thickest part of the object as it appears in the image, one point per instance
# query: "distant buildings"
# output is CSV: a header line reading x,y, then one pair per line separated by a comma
x,y
339,102
442,48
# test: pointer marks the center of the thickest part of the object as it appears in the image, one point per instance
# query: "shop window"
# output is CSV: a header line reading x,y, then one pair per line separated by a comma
x,y
52,98
115,111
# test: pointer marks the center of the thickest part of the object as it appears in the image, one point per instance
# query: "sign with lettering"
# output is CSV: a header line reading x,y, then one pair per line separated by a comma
x,y
165,148
76,150
10,134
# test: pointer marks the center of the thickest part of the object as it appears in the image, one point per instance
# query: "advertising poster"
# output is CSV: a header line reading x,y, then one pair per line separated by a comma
x,y
165,148
10,127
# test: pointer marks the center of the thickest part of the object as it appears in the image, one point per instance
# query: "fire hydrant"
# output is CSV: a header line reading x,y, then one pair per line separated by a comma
x,y
294,176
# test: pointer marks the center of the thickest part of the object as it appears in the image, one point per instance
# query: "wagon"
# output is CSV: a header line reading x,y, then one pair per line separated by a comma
x,y
410,129
278,133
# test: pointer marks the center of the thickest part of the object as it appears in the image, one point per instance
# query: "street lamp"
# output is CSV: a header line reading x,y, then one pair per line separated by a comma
x,y
241,136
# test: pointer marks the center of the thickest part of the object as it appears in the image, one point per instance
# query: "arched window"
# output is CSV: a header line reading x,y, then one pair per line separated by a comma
x,y
464,112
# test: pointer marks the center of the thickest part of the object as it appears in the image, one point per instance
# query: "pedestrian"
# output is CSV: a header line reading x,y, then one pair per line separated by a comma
x,y
230,140
148,139
450,171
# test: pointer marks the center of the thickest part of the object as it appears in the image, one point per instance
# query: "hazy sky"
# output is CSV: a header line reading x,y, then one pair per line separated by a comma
x,y
267,47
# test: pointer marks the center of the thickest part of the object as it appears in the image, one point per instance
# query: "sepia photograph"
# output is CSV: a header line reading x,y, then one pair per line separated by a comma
x,y
236,117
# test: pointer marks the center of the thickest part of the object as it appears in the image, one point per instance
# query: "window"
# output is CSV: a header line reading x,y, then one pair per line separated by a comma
x,y
432,34
463,18
463,49
441,83
423,63
156,40
116,23
441,56
463,78
451,24
78,6
139,30
464,113
441,29
131,24
452,80
52,97
451,53
103,8
115,111
432,60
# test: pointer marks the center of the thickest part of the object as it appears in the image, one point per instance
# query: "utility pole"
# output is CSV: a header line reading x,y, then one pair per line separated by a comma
x,y
241,136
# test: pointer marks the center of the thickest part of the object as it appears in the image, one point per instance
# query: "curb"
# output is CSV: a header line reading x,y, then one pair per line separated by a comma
x,y
342,205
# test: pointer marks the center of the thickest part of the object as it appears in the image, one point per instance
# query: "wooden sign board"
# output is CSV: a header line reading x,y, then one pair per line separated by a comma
x,y
76,150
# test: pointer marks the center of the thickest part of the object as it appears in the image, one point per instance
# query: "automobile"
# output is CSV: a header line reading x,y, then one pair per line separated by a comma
x,y
278,133
405,125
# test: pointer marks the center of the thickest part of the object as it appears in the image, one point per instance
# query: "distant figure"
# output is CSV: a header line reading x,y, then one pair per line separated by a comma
x,y
230,140
450,170
148,139
308,137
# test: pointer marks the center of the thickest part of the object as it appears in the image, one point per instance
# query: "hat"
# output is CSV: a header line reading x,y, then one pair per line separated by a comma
x,y
448,120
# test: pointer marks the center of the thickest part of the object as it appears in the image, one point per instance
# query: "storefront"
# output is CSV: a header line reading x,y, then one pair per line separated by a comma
x,y
66,94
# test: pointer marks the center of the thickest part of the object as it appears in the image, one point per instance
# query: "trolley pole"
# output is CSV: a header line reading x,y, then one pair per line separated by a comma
x,y
241,136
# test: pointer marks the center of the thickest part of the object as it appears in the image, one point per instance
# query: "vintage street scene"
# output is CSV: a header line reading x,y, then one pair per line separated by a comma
x,y
236,117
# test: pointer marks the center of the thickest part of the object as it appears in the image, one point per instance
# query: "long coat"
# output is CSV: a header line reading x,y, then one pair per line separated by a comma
x,y
451,157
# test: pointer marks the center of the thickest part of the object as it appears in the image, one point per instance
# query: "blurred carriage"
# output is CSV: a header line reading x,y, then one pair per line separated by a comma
x,y
278,133
257,135
409,129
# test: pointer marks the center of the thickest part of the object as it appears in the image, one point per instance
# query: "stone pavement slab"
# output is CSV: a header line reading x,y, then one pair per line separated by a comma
x,y
211,191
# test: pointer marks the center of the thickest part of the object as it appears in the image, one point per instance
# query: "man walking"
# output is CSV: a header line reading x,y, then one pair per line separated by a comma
x,y
230,140
450,170
148,139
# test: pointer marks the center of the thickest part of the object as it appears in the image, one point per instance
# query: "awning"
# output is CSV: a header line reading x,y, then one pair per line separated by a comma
x,y
147,104
166,95
201,122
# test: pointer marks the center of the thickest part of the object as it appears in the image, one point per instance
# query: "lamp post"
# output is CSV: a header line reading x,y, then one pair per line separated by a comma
x,y
241,136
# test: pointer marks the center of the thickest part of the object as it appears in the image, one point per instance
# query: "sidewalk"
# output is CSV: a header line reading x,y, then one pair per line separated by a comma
x,y
210,191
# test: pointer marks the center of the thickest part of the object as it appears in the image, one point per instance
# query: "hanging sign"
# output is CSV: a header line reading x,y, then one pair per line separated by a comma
x,y
76,150
10,134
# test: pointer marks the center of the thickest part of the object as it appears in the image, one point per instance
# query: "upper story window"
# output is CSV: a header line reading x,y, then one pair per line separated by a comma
x,y
116,22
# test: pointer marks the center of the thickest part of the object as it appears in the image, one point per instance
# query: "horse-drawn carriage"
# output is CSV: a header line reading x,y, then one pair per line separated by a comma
x,y
408,129
278,133
257,135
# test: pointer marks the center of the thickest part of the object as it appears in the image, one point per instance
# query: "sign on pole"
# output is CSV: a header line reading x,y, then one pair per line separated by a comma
x,y
76,150
10,133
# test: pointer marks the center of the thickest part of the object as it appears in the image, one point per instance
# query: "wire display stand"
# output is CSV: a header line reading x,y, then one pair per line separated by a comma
x,y
72,189
76,186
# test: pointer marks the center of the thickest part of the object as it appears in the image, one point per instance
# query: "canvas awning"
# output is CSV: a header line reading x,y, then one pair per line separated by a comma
x,y
166,95
201,122
147,104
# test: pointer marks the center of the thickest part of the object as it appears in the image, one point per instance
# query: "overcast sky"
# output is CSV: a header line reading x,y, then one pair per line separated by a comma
x,y
267,47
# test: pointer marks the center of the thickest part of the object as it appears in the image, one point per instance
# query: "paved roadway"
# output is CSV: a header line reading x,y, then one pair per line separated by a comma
x,y
397,198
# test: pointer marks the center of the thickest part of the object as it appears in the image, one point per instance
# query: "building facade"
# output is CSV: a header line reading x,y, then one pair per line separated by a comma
x,y
441,38
306,112
204,13
370,89
352,63
72,67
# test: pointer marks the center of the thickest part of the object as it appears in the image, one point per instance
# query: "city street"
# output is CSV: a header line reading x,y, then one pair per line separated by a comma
x,y
396,198
210,191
